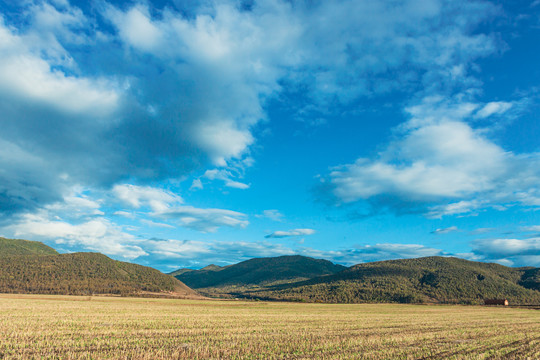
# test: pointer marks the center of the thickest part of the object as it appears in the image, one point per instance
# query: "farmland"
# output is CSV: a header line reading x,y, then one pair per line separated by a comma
x,y
65,327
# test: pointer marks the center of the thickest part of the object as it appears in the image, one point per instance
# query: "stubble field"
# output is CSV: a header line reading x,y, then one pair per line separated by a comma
x,y
62,327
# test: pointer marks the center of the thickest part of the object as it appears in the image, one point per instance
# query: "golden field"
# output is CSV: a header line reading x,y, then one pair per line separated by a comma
x,y
69,327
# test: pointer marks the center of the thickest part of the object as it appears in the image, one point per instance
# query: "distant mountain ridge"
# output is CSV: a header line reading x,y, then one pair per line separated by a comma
x,y
422,280
33,267
259,272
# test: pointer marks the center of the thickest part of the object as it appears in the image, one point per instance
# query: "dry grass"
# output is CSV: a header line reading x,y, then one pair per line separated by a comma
x,y
62,327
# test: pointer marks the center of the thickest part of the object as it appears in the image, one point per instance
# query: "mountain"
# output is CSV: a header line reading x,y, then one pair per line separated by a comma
x,y
210,267
422,280
24,247
180,272
257,273
32,267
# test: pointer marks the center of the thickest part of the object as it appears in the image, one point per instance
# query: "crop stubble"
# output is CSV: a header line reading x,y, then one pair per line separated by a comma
x,y
67,327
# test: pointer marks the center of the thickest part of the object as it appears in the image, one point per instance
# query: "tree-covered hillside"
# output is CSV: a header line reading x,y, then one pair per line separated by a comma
x,y
423,280
24,247
22,271
259,272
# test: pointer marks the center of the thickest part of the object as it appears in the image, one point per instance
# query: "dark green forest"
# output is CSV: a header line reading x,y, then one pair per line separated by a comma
x,y
32,267
258,272
423,280
24,247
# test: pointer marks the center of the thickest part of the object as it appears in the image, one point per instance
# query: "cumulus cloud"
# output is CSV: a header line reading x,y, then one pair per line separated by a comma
x,y
441,163
511,252
290,233
446,159
97,234
150,94
140,94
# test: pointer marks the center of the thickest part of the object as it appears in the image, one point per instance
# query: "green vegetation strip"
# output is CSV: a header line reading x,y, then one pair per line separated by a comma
x,y
62,327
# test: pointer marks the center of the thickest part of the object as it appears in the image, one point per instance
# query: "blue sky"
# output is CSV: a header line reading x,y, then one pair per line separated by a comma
x,y
182,133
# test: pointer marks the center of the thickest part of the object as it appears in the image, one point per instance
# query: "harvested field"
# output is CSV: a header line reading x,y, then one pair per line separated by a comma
x,y
67,327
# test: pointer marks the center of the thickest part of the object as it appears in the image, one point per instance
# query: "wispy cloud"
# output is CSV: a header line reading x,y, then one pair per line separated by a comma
x,y
445,230
136,196
290,233
535,228
205,220
225,176
273,214
191,253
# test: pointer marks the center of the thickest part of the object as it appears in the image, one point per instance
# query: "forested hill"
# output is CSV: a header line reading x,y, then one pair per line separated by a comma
x,y
38,269
259,272
422,280
24,247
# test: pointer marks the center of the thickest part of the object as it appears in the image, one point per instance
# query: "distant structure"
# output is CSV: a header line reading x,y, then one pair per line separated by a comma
x,y
503,302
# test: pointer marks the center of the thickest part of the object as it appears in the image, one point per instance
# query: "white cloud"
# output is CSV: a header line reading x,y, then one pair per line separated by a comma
x,y
272,214
225,176
447,159
157,224
495,107
25,76
136,196
205,220
445,230
482,231
75,204
193,253
196,185
166,205
166,92
458,208
510,252
290,233
136,27
217,252
97,235
125,214
222,141
438,160
531,228
388,251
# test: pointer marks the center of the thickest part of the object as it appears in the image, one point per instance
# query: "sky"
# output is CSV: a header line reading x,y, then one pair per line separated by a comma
x,y
181,133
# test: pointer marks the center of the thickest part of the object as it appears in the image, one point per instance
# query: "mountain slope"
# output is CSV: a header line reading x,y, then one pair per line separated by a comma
x,y
210,267
24,247
431,279
259,272
80,274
